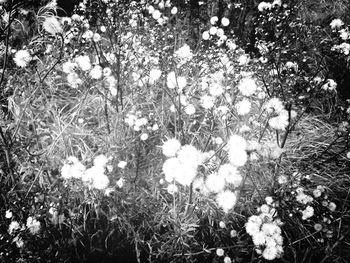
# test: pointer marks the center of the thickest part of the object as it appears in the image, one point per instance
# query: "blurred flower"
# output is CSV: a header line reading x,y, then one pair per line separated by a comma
x,y
172,189
264,6
225,21
207,101
222,224
144,137
184,53
96,72
14,225
233,233
227,260
231,174
52,25
22,58
174,10
205,35
68,67
330,85
83,62
122,164
332,206
190,109
215,183
171,147
226,200
243,107
8,214
318,227
220,252
213,30
156,14
336,23
214,20
33,225
19,241
154,75
100,160
96,37
121,182
72,168
307,212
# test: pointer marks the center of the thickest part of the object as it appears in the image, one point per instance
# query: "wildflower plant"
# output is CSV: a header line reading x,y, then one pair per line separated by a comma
x,y
122,132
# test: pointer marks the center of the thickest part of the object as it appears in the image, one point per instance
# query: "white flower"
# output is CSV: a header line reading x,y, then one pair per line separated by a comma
x,y
83,62
154,75
171,167
308,212
264,6
213,30
156,14
52,25
101,160
205,35
220,252
274,105
74,80
247,86
190,109
96,72
215,183
225,21
172,189
259,238
268,200
207,101
171,80
226,200
22,58
96,37
8,214
215,89
14,225
270,253
33,225
171,147
230,174
184,52
144,137
330,85
122,164
280,122
213,20
72,168
276,3
120,183
174,10
227,260
100,182
19,241
68,67
222,224
243,107
332,206
336,23
236,142
190,155
181,83
107,72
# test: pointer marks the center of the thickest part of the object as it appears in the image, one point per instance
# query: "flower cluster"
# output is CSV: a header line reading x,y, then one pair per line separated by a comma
x,y
183,162
94,176
266,232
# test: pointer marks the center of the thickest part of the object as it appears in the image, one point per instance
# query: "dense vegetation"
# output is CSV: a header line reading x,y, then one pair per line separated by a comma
x,y
175,131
